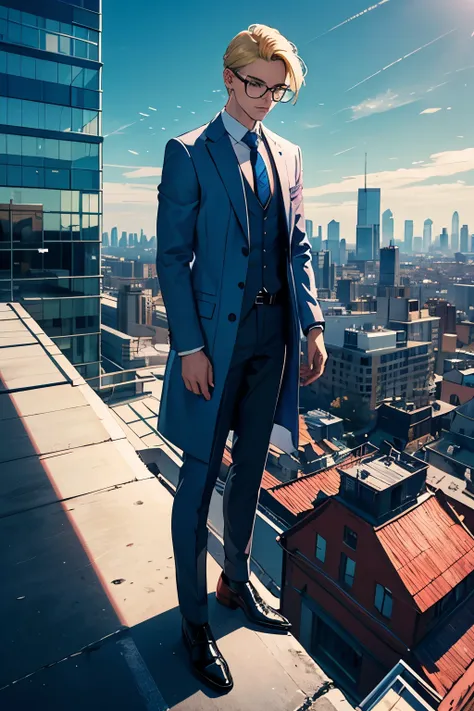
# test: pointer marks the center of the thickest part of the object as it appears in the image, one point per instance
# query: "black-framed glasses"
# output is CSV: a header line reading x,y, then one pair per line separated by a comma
x,y
255,89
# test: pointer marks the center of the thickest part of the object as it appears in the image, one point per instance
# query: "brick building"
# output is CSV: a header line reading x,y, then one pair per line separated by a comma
x,y
378,572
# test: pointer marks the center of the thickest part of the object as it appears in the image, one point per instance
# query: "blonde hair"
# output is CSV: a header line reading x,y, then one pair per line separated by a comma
x,y
263,42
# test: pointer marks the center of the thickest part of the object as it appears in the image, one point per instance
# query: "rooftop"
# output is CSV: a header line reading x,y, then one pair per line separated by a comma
x,y
430,549
89,605
447,653
382,473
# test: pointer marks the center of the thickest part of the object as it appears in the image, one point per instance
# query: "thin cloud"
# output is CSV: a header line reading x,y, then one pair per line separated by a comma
x,y
401,59
430,111
380,104
349,19
134,152
432,88
345,151
120,130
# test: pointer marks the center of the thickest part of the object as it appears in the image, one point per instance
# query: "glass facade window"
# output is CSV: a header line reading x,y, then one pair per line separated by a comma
x,y
25,29
50,117
50,183
50,71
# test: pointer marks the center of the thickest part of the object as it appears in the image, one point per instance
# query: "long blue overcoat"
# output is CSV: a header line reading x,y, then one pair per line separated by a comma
x,y
202,255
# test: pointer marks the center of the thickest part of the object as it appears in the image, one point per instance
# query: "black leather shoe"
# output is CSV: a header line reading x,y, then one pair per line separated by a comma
x,y
206,660
234,594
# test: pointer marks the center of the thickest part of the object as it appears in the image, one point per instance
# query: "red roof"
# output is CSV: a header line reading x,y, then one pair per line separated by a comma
x,y
447,653
430,550
297,496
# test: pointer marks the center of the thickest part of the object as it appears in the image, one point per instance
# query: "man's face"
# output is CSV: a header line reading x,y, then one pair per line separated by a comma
x,y
259,72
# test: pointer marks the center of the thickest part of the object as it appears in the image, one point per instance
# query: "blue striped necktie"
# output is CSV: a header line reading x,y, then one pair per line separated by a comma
x,y
260,173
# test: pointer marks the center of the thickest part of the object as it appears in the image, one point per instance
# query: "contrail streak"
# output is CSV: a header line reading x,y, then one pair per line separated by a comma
x,y
400,59
350,19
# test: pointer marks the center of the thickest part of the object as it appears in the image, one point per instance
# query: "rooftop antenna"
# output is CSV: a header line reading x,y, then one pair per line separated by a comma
x,y
365,174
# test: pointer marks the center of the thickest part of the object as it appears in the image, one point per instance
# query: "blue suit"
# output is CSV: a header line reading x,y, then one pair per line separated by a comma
x,y
205,204
203,214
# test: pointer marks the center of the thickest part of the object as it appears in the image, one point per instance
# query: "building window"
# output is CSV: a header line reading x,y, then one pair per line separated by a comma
x,y
383,600
350,538
320,548
347,570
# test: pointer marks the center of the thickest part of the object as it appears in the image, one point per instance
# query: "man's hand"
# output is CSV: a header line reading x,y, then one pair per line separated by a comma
x,y
196,370
317,357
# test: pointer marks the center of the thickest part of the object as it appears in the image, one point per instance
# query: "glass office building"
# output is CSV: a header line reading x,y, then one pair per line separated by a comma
x,y
51,169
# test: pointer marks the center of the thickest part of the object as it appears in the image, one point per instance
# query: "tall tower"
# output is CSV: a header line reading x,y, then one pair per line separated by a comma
x,y
427,235
368,213
51,82
333,241
387,228
114,237
465,239
389,267
455,232
408,236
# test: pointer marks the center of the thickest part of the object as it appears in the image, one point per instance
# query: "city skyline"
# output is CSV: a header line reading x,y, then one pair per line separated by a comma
x,y
407,102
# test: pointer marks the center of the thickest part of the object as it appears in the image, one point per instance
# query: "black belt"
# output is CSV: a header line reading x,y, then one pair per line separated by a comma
x,y
263,297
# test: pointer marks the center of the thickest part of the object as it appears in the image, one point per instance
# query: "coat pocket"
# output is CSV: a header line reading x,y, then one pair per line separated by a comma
x,y
205,308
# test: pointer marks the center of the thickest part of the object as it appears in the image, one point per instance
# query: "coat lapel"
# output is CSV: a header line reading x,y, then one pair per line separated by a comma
x,y
225,160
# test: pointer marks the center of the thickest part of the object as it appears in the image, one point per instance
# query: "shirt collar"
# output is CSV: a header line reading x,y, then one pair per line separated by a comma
x,y
236,129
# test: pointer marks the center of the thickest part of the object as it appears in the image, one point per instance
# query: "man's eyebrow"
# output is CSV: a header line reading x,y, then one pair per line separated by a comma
x,y
261,80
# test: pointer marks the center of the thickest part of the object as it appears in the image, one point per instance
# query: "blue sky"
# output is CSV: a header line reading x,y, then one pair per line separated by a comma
x,y
394,78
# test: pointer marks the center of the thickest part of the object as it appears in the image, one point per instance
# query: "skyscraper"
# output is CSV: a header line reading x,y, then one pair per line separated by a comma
x,y
333,241
105,239
343,251
323,270
365,243
114,237
408,244
308,225
465,238
455,232
417,245
427,234
318,244
389,266
387,228
444,241
50,170
368,213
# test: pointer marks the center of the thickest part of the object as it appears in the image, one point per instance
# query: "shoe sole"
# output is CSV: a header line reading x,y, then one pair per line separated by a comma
x,y
234,606
200,675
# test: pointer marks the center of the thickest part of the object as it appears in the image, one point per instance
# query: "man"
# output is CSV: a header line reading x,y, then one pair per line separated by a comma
x,y
234,266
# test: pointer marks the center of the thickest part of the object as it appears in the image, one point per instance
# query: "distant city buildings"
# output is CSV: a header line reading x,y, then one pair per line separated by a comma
x,y
464,238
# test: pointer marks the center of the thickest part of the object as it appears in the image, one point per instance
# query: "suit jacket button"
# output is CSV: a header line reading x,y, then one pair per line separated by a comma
x,y
241,285
245,251
232,317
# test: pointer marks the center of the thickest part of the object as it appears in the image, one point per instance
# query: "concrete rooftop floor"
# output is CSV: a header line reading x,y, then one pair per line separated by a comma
x,y
88,600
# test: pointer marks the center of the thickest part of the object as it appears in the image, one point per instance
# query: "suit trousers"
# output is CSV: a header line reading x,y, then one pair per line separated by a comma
x,y
247,408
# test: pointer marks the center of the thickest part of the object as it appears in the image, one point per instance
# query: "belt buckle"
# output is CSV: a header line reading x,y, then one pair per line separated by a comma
x,y
259,298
